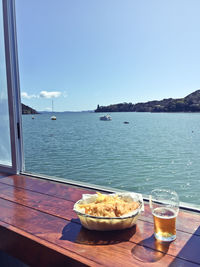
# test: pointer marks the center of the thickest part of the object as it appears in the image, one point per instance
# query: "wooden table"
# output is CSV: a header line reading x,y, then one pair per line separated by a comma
x,y
39,227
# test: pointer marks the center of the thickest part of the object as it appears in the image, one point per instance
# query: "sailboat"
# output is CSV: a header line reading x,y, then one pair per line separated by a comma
x,y
53,117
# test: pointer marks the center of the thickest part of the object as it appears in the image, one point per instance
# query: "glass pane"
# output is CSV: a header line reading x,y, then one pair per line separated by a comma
x,y
85,53
5,146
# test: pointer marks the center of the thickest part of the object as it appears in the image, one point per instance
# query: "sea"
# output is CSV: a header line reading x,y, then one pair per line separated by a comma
x,y
152,150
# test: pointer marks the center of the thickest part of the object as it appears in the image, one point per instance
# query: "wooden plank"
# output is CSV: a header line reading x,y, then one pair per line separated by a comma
x,y
55,206
175,248
4,175
67,238
181,246
182,220
33,224
34,251
139,238
127,254
46,187
63,208
74,194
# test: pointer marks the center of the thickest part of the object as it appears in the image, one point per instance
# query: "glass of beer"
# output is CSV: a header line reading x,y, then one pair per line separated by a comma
x,y
164,205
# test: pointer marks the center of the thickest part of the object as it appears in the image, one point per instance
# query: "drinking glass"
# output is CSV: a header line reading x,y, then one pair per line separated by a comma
x,y
164,206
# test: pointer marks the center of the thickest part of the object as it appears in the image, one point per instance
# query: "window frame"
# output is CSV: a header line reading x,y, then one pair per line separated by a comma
x,y
13,89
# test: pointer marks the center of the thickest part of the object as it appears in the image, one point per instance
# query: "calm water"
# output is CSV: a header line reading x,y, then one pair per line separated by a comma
x,y
153,150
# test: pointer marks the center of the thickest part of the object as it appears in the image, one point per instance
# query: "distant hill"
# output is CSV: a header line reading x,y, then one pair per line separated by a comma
x,y
67,111
28,110
190,103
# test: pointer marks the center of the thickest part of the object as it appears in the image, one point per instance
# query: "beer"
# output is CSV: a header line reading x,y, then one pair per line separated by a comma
x,y
164,223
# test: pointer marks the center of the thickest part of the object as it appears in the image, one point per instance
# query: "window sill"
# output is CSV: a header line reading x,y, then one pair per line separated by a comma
x,y
38,226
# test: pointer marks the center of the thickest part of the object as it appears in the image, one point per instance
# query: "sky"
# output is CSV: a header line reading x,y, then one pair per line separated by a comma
x,y
82,53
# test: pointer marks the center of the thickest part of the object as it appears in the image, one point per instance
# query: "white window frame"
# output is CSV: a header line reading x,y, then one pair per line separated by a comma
x,y
13,88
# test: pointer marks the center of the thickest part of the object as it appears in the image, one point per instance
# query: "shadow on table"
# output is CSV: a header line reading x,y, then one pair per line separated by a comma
x,y
191,250
149,250
74,232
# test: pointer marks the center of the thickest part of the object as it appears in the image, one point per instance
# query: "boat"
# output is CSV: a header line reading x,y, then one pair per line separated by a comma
x,y
105,118
33,117
126,122
53,117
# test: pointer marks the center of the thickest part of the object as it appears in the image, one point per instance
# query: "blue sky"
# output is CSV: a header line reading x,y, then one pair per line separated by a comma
x,y
87,52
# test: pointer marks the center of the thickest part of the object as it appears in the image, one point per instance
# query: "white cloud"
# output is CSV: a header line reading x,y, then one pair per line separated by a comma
x,y
46,94
27,96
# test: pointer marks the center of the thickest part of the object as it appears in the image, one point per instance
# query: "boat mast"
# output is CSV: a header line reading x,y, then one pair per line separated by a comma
x,y
53,117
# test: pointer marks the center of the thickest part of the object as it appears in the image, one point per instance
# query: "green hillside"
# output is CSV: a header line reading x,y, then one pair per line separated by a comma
x,y
190,103
28,110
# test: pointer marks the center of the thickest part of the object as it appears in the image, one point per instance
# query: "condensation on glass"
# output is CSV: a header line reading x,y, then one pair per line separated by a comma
x,y
5,145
